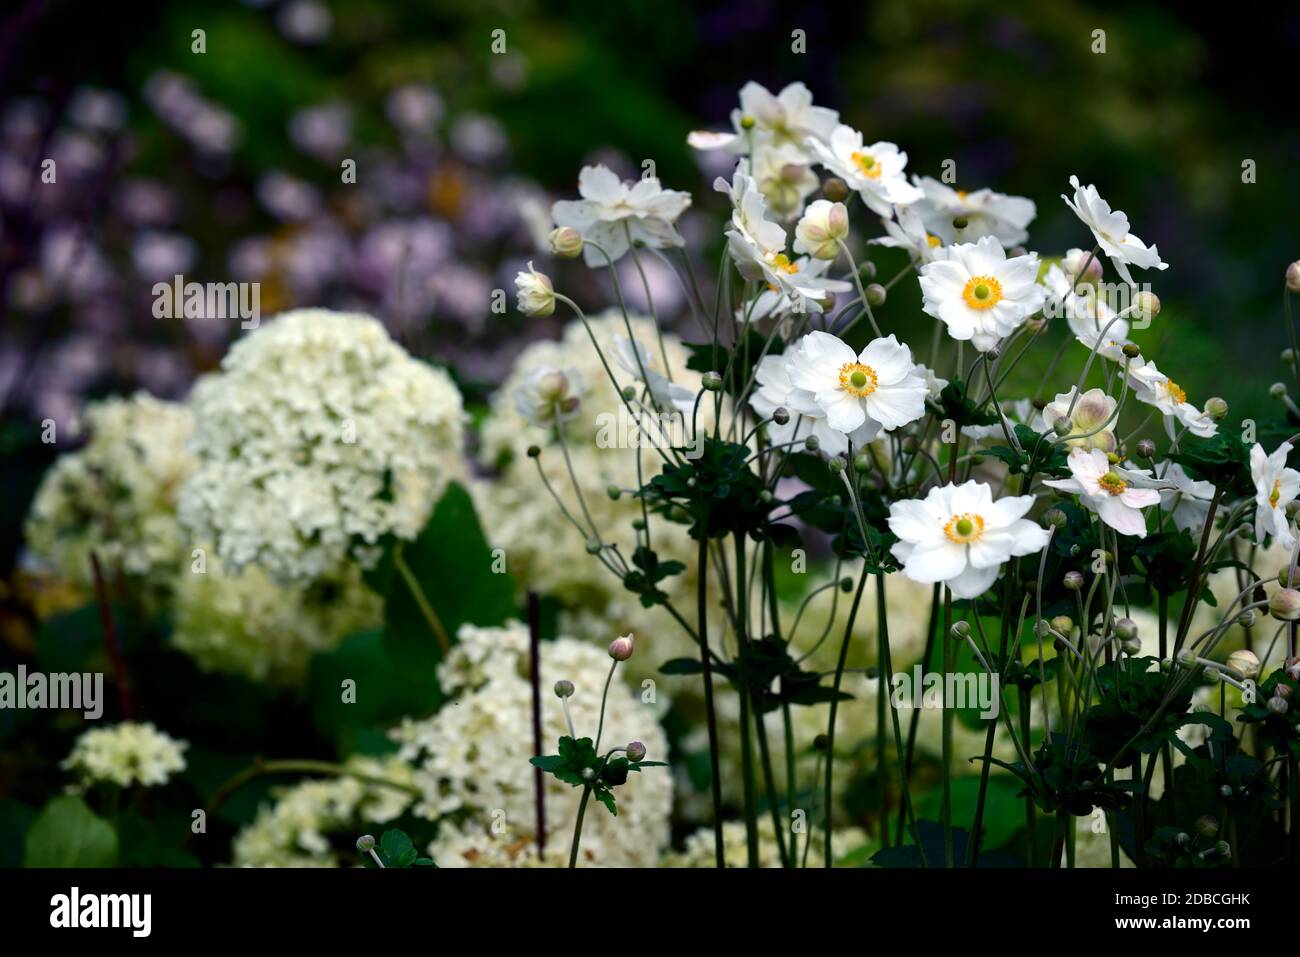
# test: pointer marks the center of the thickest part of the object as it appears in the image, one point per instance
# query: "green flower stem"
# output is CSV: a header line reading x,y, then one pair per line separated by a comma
x,y
577,826
887,668
426,609
604,697
949,648
1031,814
706,666
830,728
746,743
790,793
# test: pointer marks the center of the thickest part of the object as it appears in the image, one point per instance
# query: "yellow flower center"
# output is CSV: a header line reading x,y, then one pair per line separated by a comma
x,y
1112,483
933,241
782,261
866,164
858,380
965,528
982,292
961,194
1176,391
1276,494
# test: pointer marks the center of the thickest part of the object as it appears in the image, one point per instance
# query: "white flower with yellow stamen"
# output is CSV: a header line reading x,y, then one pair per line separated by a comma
x,y
1111,229
767,120
907,231
874,170
774,391
758,246
980,294
1089,413
1153,387
1276,486
880,386
960,536
987,213
613,213
1117,495
778,303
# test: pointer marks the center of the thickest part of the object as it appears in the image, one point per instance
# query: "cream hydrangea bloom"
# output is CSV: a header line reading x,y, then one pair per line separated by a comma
x,y
473,755
311,822
116,496
245,623
699,848
125,754
319,436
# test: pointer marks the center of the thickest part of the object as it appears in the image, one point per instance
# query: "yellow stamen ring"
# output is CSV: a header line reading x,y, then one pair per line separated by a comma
x,y
857,379
965,528
982,292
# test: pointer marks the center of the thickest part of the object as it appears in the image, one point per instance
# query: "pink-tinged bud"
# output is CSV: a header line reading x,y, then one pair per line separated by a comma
x,y
835,189
1244,663
1293,276
621,648
565,242
1285,604
635,751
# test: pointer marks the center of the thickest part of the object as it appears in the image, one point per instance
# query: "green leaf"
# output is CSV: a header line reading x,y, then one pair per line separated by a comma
x,y
396,849
453,566
606,798
67,833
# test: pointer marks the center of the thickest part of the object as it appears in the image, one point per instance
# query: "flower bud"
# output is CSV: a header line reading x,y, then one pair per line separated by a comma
x,y
876,294
629,392
588,774
846,585
1146,449
1131,350
1146,305
821,229
959,631
594,546
781,415
1062,625
536,296
635,751
1287,356
1186,658
1126,629
614,492
1054,518
867,270
837,464
1216,408
1073,581
960,222
1247,618
1277,390
747,122
1207,825
534,451
565,242
1131,647
621,648
1293,276
1277,705
1285,604
812,443
564,688
366,843
821,742
1244,663
711,381
1289,576
835,189
1211,675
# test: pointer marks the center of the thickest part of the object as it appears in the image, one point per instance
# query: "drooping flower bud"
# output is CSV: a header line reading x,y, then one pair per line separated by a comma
x,y
1244,663
635,751
1285,604
536,296
366,843
621,648
960,630
565,242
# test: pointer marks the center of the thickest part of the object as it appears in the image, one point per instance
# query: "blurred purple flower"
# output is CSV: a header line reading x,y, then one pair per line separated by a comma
x,y
287,198
305,21
322,131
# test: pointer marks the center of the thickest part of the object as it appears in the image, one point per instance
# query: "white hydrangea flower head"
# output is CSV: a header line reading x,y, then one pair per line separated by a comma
x,y
125,754
312,822
246,623
473,754
699,848
116,496
319,436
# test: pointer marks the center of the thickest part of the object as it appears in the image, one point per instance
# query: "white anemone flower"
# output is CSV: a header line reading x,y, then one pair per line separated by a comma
x,y
774,390
1276,486
987,213
960,536
980,294
1154,388
613,213
786,118
536,296
1188,500
549,395
1090,317
1090,412
637,360
907,231
1111,229
779,303
785,178
875,170
881,384
1117,495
